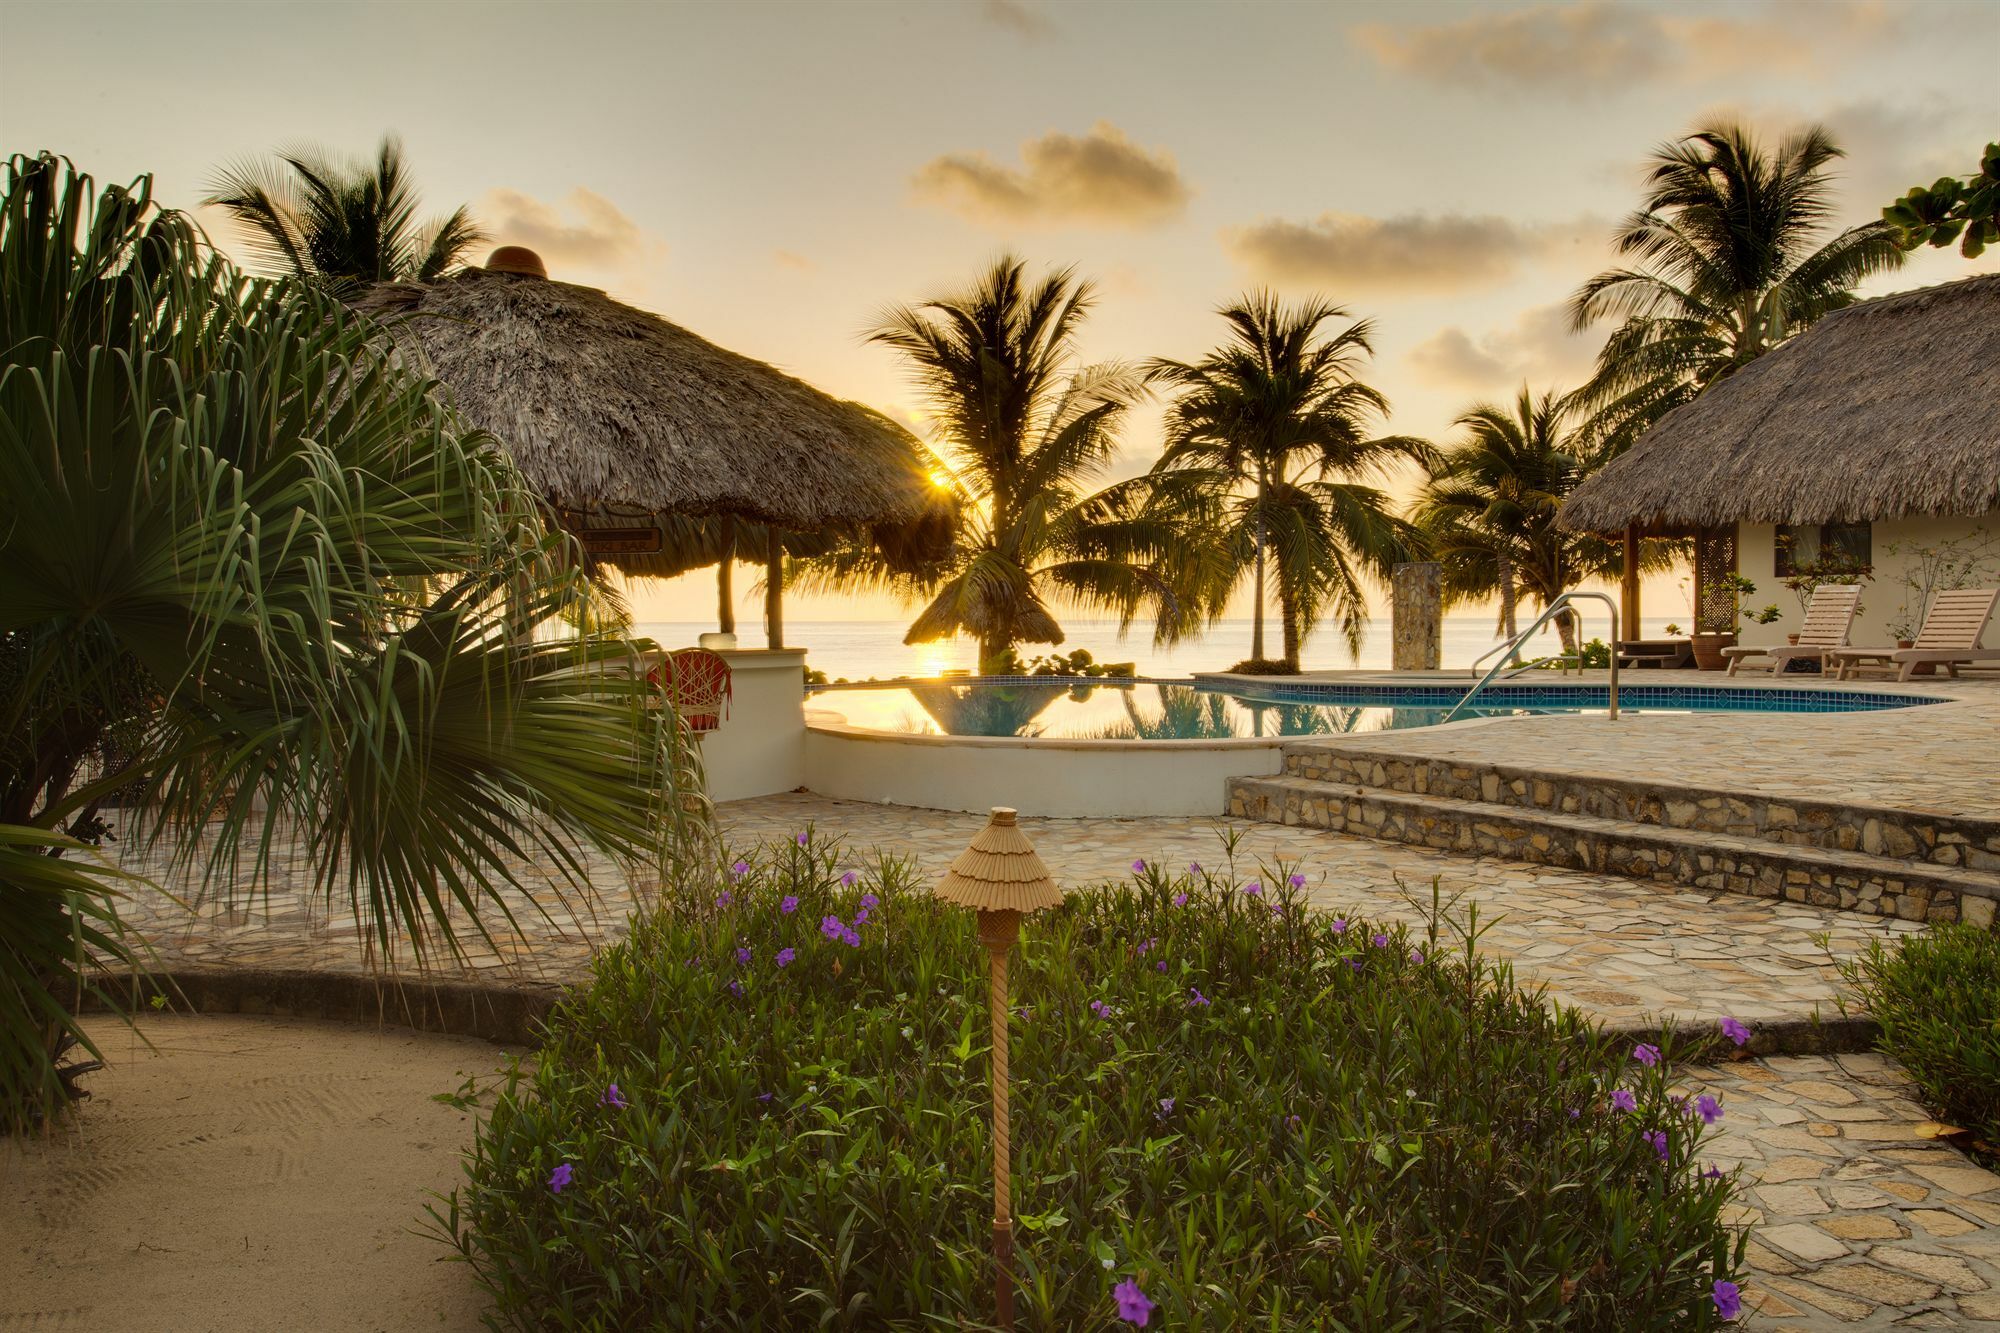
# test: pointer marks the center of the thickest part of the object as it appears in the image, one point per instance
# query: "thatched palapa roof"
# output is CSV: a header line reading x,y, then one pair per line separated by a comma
x,y
610,410
1888,408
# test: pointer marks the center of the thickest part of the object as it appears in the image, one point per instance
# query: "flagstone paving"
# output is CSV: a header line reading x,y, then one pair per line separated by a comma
x,y
1858,1221
1629,952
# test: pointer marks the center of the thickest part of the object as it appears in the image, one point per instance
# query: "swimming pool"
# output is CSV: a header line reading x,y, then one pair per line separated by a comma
x,y
1159,710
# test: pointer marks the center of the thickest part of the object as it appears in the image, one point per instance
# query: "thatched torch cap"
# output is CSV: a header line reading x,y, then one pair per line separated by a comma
x,y
999,871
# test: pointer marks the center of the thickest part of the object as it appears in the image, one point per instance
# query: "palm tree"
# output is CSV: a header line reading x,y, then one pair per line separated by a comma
x,y
313,215
263,585
1024,431
1489,509
1276,422
1731,258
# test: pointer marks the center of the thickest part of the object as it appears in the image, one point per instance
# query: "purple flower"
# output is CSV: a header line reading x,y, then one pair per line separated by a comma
x,y
850,939
1354,963
744,955
724,898
1199,1001
801,839
788,904
1713,1172
1416,955
847,880
1180,900
736,989
612,1098
1340,925
1293,1122
1709,1109
1100,1008
1728,1299
1139,866
1658,1138
861,917
785,957
870,901
1194,867
560,1177
739,870
1298,881
832,927
1623,1100
1160,966
1646,1055
1254,888
1024,1013
1133,1307
1739,1034
766,1096
1379,940
1166,1107
1575,1113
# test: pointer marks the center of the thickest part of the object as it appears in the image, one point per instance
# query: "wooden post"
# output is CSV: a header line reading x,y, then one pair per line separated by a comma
x,y
1628,587
774,588
998,930
725,594
1416,617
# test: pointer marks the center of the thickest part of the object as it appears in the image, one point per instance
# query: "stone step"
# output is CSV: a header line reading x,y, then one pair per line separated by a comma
x,y
1819,876
1914,835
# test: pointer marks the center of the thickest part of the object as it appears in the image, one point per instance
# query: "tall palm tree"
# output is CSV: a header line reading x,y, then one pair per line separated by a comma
x,y
262,585
1277,423
1489,509
1024,431
316,216
1731,257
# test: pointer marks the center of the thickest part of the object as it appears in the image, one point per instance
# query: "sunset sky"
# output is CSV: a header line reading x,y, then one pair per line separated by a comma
x,y
771,175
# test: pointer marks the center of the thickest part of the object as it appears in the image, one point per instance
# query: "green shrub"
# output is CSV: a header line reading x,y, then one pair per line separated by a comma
x,y
1265,1116
1937,997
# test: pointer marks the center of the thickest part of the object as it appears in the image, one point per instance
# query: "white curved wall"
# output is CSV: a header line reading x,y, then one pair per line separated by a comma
x,y
1035,776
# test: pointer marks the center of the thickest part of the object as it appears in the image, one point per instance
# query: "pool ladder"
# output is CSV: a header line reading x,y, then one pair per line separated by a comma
x,y
1508,649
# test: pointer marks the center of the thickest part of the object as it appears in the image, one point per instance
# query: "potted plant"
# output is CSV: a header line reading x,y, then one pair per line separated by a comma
x,y
1715,632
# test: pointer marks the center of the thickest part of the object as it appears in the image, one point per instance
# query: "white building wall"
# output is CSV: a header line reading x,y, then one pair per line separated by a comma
x,y
1883,594
760,748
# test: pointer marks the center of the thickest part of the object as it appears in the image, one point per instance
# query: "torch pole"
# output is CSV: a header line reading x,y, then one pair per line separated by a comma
x,y
999,930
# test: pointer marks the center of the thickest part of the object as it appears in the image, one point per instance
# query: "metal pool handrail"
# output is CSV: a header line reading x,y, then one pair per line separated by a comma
x,y
1513,645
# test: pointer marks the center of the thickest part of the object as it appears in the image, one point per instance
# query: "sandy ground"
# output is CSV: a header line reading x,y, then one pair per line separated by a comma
x,y
244,1174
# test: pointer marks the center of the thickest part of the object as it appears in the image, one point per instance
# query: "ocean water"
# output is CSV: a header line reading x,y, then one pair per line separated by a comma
x,y
864,649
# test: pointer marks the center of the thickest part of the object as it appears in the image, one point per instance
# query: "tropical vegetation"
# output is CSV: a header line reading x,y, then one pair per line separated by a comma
x,y
1937,998
1952,208
1729,256
1488,510
316,216
263,587
767,1109
1026,431
1276,427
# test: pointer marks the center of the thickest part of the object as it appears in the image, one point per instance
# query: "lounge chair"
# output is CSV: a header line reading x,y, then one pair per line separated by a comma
x,y
1828,619
1949,638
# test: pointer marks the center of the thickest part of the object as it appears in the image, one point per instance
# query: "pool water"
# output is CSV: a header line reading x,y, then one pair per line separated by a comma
x,y
1169,711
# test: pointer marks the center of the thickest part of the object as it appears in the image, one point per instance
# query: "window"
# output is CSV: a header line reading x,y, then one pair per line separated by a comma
x,y
1823,548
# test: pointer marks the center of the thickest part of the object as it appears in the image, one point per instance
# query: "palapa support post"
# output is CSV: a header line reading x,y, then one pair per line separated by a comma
x,y
1000,877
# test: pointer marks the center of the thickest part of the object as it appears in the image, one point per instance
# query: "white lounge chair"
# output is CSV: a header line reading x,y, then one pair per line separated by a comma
x,y
1949,638
1828,619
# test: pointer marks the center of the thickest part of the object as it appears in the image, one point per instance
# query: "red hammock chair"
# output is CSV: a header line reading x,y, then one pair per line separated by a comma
x,y
695,683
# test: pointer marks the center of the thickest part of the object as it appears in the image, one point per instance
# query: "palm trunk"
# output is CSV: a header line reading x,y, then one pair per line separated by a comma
x,y
1288,620
1566,627
992,653
1510,598
1257,581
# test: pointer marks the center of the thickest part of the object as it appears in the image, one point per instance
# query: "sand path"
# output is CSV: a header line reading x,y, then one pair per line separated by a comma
x,y
244,1174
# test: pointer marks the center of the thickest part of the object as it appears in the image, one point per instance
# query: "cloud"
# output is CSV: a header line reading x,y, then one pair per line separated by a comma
x,y
1021,19
585,231
1537,349
796,262
1101,178
1597,46
1412,252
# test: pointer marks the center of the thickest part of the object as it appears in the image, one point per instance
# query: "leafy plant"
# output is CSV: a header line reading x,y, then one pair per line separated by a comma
x,y
1966,210
264,588
1937,997
1929,568
1077,663
767,1107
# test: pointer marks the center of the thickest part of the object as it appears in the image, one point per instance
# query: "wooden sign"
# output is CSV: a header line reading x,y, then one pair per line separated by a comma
x,y
619,541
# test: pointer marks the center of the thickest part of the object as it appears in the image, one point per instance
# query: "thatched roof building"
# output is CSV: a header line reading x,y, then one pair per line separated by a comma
x,y
1889,408
612,411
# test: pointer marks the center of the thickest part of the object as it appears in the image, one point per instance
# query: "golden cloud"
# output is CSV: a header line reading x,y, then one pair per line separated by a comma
x,y
1097,179
1413,252
585,231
